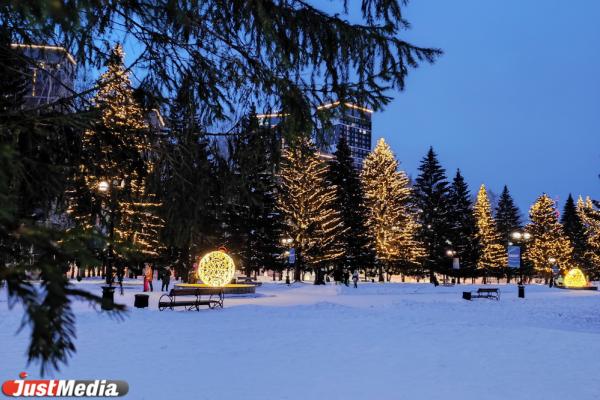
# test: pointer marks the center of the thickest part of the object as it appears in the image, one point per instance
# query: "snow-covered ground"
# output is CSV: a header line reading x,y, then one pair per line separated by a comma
x,y
380,341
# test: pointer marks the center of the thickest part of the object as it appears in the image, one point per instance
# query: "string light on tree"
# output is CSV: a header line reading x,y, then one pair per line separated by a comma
x,y
590,216
306,204
549,241
387,194
492,253
117,149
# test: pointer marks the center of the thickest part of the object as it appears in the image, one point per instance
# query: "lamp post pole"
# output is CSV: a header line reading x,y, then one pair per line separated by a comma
x,y
520,238
108,291
451,253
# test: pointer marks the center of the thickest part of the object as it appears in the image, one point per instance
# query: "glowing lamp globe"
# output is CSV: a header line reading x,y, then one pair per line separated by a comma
x,y
216,269
575,278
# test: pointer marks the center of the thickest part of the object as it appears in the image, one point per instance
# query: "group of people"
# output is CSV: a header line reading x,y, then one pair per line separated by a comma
x,y
340,277
164,275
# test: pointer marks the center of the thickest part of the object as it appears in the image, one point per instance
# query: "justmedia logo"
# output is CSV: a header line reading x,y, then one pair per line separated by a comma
x,y
64,388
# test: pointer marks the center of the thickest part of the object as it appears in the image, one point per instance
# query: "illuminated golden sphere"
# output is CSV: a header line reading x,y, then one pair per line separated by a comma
x,y
216,269
575,278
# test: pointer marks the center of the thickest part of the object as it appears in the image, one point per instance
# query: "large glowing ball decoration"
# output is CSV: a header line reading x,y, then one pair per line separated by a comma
x,y
216,269
575,278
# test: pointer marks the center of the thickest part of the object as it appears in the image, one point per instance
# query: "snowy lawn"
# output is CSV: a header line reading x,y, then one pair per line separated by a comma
x,y
380,341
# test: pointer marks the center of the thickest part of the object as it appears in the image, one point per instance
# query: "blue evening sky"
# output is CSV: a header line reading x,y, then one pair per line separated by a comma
x,y
514,100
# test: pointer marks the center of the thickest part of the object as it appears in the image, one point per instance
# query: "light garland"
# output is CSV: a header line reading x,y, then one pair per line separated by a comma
x,y
575,278
216,269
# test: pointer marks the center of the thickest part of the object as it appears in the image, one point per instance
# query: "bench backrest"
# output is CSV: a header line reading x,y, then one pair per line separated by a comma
x,y
183,292
194,291
484,290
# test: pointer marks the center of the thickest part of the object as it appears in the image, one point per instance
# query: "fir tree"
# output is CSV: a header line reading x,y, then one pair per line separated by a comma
x,y
507,216
37,152
431,201
117,151
462,223
188,185
391,221
492,254
349,200
574,229
254,153
307,206
590,216
548,239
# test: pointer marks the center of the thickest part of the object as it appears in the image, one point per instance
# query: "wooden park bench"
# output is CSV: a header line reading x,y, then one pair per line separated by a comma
x,y
488,293
192,298
248,281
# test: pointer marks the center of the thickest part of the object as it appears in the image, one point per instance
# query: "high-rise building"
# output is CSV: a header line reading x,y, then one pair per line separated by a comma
x,y
350,120
51,70
354,123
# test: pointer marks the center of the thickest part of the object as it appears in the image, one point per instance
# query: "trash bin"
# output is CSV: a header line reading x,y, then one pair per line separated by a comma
x,y
522,291
108,298
141,301
467,295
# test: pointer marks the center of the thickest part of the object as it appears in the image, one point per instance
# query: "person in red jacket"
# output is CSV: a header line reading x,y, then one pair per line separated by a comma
x,y
149,275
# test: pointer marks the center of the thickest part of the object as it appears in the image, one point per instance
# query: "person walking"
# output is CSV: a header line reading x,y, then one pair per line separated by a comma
x,y
166,279
346,277
355,278
144,270
149,276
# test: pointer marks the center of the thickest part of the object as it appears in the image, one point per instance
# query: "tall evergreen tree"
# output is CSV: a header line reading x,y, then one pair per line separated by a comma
x,y
37,155
492,255
431,200
462,224
188,185
391,220
507,216
117,150
254,154
307,206
574,228
548,238
350,201
589,212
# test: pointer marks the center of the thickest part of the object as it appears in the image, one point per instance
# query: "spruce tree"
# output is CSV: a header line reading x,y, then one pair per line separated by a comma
x,y
548,238
306,203
431,201
492,255
590,216
507,216
462,224
575,230
37,155
350,201
254,154
188,185
117,150
391,220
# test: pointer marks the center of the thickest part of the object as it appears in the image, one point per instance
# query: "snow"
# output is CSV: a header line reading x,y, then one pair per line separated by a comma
x,y
380,341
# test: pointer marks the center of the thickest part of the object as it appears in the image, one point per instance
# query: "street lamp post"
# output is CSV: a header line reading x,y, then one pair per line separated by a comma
x,y
451,254
520,238
108,291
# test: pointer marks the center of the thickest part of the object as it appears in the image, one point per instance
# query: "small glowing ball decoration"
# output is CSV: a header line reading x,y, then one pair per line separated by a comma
x,y
216,269
575,278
